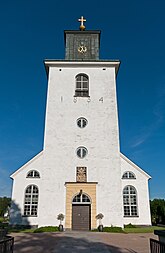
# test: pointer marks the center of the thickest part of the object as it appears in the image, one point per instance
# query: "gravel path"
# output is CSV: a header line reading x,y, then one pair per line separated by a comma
x,y
81,242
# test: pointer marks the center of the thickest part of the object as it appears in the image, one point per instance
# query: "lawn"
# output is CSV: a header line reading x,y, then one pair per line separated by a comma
x,y
19,230
143,229
133,229
149,229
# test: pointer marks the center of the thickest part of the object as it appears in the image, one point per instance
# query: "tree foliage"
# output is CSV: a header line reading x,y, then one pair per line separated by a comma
x,y
4,203
158,211
99,216
60,216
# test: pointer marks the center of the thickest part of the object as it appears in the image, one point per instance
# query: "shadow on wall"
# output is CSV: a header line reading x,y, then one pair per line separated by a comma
x,y
61,243
16,217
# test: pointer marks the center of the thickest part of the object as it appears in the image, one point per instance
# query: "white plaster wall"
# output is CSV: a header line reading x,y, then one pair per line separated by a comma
x,y
58,161
20,183
63,137
141,185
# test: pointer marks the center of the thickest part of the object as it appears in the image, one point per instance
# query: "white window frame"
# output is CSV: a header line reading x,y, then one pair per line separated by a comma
x,y
130,197
31,201
33,174
127,173
80,196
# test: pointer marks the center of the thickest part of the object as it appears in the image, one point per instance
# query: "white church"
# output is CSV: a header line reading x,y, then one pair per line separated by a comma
x,y
81,171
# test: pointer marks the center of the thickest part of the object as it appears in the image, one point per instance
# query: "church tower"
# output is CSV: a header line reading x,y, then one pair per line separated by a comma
x,y
80,171
81,136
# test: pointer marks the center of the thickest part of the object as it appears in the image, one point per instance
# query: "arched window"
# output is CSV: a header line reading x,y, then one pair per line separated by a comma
x,y
82,86
31,200
33,174
81,198
130,201
128,175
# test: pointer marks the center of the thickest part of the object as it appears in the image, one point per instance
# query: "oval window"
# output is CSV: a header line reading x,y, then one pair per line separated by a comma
x,y
81,152
82,122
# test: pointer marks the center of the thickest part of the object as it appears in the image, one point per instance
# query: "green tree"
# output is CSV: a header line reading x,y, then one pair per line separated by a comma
x,y
158,211
4,203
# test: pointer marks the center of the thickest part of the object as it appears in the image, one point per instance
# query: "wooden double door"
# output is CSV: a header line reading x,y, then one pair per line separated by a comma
x,y
81,217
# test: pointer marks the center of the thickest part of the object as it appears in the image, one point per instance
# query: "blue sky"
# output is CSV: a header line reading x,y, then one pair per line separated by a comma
x,y
132,31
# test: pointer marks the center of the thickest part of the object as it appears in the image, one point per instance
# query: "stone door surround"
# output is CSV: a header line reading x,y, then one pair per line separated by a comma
x,y
72,189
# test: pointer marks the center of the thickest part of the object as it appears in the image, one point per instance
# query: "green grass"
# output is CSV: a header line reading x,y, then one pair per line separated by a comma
x,y
19,230
129,226
33,230
110,230
46,229
149,229
113,229
130,229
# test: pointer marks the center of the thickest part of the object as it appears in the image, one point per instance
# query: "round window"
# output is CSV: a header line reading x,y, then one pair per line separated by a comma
x,y
82,122
81,152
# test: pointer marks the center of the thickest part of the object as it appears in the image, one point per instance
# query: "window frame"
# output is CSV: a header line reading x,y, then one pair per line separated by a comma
x,y
82,91
29,197
128,175
129,208
81,202
33,174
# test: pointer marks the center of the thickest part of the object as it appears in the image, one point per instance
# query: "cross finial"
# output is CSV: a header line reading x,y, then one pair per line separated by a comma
x,y
82,20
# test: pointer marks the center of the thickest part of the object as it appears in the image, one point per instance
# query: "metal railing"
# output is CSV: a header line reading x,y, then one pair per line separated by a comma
x,y
157,246
7,244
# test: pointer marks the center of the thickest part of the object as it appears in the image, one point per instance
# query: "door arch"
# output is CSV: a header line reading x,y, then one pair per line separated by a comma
x,y
81,212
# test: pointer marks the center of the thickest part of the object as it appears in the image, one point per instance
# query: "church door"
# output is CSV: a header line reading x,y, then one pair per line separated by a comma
x,y
81,213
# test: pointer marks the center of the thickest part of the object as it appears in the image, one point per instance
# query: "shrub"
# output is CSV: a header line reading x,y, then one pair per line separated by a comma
x,y
46,229
94,230
60,217
113,229
129,226
99,216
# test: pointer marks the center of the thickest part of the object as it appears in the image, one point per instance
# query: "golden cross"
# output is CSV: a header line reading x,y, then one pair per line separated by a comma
x,y
82,20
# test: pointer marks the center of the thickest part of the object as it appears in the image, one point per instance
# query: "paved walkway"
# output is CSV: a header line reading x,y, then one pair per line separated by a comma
x,y
81,242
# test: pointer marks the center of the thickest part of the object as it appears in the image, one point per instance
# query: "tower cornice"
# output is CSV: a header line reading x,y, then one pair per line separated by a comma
x,y
84,64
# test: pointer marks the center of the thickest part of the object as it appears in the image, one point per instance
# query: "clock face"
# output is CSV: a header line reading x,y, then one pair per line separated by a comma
x,y
82,49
